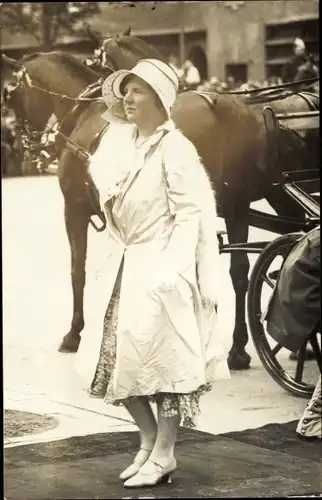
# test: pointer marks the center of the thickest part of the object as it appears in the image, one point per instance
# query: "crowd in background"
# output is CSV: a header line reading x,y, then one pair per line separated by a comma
x,y
189,78
299,66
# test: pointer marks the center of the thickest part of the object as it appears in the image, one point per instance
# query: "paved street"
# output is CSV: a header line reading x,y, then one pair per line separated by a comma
x,y
37,307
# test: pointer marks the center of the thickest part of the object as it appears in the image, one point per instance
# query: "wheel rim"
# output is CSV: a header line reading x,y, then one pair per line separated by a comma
x,y
269,350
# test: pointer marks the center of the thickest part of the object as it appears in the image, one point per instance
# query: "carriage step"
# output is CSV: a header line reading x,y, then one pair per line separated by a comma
x,y
221,232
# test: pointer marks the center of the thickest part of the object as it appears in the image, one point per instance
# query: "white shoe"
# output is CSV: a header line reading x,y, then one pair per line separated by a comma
x,y
151,474
140,459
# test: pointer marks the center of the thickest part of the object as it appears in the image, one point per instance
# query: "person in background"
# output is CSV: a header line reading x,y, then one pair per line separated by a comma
x,y
173,63
214,84
244,86
191,75
231,82
301,65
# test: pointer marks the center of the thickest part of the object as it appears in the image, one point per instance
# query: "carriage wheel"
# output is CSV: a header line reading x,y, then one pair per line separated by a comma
x,y
288,374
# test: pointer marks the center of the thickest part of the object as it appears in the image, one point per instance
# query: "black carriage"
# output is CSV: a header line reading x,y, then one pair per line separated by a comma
x,y
265,272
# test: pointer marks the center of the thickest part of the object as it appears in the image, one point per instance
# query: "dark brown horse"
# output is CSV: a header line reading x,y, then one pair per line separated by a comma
x,y
229,136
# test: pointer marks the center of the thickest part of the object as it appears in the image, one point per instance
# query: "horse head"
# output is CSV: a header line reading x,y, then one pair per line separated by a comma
x,y
21,96
103,62
43,91
124,50
43,84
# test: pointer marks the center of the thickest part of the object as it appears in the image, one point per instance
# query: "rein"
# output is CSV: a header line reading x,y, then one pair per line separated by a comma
x,y
290,85
262,98
23,77
24,80
268,94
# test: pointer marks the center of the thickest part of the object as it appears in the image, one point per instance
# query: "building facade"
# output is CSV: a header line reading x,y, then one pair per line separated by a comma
x,y
258,35
249,39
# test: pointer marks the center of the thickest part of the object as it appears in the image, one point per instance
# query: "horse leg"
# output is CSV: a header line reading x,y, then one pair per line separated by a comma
x,y
76,222
237,223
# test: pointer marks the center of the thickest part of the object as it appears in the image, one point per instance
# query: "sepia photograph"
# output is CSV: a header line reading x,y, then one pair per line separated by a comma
x,y
160,177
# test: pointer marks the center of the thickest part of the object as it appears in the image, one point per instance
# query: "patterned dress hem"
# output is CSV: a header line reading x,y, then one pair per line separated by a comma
x,y
186,405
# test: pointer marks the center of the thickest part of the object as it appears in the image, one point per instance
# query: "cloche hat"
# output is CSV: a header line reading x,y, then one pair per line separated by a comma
x,y
157,74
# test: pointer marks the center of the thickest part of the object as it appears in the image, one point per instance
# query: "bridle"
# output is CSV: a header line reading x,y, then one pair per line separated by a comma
x,y
31,138
99,59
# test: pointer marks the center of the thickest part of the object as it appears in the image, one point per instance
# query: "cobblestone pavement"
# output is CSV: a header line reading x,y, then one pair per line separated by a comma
x,y
37,307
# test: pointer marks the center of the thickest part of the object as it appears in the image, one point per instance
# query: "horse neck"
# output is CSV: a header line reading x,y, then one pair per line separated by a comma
x,y
60,87
128,51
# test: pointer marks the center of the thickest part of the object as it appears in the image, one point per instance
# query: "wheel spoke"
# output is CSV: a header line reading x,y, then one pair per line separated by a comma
x,y
316,349
262,282
273,275
300,364
268,281
277,349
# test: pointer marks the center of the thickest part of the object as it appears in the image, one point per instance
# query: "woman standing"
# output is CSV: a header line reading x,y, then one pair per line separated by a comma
x,y
159,342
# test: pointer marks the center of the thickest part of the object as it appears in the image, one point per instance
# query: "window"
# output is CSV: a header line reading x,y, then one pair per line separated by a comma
x,y
239,72
279,39
198,57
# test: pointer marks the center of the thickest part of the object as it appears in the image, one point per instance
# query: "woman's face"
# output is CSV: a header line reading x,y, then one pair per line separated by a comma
x,y
140,101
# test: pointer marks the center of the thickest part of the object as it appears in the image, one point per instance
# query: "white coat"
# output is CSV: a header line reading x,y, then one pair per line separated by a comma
x,y
163,223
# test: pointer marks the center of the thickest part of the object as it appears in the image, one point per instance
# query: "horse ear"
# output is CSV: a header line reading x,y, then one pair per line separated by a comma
x,y
127,32
10,63
94,38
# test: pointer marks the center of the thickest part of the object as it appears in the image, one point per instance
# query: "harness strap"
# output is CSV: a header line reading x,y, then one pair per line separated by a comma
x,y
71,117
272,140
211,100
290,85
308,98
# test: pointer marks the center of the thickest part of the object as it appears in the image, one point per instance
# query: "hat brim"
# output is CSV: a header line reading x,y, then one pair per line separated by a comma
x,y
111,86
113,97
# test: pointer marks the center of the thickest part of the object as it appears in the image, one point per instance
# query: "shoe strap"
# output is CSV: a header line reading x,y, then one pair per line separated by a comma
x,y
158,467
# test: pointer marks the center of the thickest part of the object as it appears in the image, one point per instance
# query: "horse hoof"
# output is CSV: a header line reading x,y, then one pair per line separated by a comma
x,y
69,344
239,360
309,355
